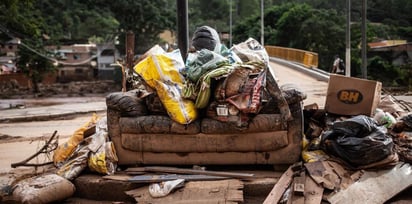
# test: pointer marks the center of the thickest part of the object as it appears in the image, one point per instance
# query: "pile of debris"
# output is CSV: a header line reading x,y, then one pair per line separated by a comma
x,y
359,142
352,152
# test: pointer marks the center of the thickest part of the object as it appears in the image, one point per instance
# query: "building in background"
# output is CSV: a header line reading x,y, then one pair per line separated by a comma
x,y
398,52
8,53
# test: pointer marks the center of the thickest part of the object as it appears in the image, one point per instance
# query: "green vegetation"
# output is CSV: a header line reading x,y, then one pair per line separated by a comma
x,y
315,25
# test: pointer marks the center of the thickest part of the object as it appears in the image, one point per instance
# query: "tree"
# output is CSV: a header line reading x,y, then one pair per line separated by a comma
x,y
299,26
34,65
78,20
147,19
323,32
26,23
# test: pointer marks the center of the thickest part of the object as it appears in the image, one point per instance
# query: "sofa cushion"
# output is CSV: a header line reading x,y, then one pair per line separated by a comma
x,y
259,123
174,143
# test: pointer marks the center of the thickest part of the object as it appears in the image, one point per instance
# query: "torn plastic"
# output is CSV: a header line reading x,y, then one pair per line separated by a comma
x,y
251,50
63,151
358,141
162,189
95,152
311,155
384,118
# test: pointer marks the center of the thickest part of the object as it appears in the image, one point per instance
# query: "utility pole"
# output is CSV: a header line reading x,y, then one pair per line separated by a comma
x,y
129,59
364,57
129,49
182,27
348,40
230,23
262,36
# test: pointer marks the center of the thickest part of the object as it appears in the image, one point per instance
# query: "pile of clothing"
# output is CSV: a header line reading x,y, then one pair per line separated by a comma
x,y
229,85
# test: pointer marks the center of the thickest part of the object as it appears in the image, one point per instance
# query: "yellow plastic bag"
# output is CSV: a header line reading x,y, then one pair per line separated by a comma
x,y
64,150
160,70
179,109
104,161
160,66
311,156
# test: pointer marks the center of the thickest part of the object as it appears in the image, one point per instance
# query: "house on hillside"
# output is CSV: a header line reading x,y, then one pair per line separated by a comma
x,y
399,52
75,62
108,55
8,53
80,62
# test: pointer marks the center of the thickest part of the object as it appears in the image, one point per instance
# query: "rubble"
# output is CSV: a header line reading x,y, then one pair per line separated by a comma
x,y
343,157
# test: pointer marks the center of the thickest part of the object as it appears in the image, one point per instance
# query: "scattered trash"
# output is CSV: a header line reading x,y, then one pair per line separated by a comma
x,y
95,152
162,189
376,186
64,150
223,191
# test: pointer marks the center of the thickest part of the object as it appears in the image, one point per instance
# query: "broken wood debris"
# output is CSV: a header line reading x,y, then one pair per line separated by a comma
x,y
331,175
307,185
280,187
295,186
47,148
169,177
174,170
376,186
224,191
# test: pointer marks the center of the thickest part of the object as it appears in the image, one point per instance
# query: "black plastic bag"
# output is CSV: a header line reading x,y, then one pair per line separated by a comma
x,y
358,141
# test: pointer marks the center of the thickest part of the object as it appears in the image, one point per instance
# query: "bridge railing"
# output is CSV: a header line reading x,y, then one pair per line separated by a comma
x,y
306,58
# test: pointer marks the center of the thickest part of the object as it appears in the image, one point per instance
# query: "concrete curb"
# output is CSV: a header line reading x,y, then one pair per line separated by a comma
x,y
50,112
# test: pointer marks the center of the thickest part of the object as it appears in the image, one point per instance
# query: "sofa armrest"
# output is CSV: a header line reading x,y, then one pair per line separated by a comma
x,y
113,125
295,126
120,104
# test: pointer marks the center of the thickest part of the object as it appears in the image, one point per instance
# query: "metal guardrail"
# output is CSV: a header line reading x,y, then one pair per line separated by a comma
x,y
306,58
315,73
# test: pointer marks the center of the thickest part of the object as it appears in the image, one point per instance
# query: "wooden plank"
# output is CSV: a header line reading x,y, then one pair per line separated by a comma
x,y
223,191
313,191
376,186
331,174
193,171
280,187
298,189
117,177
169,177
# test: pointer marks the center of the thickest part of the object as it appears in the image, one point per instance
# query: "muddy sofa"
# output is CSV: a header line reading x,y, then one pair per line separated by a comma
x,y
141,137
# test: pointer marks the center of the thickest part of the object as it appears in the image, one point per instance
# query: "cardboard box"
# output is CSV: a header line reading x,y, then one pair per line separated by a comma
x,y
352,96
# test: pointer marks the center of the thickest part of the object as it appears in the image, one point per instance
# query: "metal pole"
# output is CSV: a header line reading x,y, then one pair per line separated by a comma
x,y
127,71
348,40
182,27
364,57
230,23
262,37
